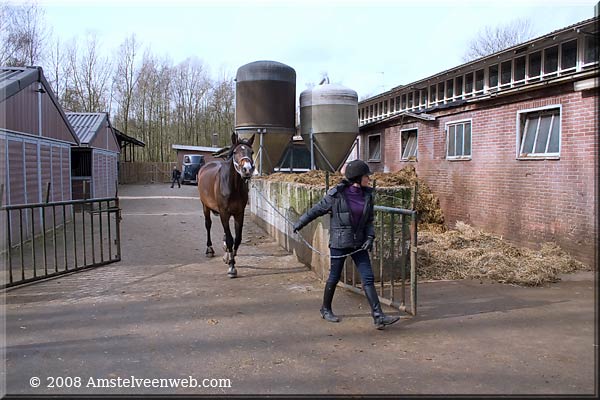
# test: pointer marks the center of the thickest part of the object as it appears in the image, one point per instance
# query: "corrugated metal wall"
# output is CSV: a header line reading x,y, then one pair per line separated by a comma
x,y
22,115
104,173
30,163
105,139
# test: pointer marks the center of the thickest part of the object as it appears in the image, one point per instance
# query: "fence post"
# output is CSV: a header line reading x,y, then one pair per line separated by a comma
x,y
48,192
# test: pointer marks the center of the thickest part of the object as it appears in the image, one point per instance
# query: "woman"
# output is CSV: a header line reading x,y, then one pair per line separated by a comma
x,y
351,233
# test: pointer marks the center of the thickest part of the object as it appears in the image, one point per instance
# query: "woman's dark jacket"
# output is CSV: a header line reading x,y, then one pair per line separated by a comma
x,y
342,234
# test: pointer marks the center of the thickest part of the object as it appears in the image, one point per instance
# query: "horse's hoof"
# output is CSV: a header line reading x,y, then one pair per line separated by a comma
x,y
232,274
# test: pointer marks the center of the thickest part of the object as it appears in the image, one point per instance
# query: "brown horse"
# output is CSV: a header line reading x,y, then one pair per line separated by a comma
x,y
223,187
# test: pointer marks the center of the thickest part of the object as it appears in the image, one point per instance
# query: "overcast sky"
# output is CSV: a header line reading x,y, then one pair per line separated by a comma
x,y
369,46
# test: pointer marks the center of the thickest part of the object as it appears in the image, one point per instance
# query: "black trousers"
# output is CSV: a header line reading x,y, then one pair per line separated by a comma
x,y
175,180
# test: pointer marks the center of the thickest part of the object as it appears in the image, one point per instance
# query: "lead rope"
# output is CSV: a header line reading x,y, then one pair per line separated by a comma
x,y
299,235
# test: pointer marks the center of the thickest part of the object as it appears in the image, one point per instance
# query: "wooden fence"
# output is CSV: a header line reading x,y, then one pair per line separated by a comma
x,y
145,172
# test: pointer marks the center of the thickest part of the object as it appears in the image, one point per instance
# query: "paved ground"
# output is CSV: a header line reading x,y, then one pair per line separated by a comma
x,y
165,311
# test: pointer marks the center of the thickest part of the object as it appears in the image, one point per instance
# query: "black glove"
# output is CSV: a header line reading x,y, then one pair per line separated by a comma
x,y
368,244
297,226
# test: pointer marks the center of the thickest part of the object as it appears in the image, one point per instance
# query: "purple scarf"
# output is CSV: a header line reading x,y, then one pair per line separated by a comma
x,y
356,203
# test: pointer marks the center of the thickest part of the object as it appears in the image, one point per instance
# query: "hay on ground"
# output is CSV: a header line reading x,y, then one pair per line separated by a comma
x,y
467,253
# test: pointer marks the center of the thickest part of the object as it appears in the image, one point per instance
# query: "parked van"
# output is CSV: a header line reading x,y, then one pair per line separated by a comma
x,y
191,165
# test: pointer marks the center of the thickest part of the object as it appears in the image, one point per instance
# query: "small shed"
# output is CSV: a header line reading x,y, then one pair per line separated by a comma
x,y
35,143
127,144
183,150
94,171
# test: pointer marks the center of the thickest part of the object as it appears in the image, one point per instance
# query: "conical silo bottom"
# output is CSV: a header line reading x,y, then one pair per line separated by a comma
x,y
274,145
335,146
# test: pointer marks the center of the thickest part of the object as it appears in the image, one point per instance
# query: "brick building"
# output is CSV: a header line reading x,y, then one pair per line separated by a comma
x,y
508,142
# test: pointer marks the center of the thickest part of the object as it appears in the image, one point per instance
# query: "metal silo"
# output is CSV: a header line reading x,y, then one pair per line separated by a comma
x,y
329,124
265,100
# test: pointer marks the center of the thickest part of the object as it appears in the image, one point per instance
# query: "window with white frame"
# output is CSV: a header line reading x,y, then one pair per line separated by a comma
x,y
535,66
432,94
519,72
409,145
551,60
568,55
374,147
440,92
479,79
458,143
493,77
539,133
468,84
505,73
458,86
590,50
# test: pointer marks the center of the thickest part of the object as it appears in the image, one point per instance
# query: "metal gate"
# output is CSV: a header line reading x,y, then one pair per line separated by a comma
x,y
394,259
48,239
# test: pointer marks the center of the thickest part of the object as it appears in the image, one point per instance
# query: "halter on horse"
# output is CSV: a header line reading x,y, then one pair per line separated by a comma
x,y
223,187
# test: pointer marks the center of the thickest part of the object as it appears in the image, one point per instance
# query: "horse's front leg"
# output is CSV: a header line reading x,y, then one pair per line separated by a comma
x,y
239,225
210,252
228,258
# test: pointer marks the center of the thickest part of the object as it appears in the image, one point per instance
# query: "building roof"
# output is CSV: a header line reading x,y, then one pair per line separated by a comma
x,y
86,125
15,79
484,59
121,137
195,148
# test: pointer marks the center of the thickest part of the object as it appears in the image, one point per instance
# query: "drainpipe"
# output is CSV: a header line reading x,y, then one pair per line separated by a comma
x,y
40,91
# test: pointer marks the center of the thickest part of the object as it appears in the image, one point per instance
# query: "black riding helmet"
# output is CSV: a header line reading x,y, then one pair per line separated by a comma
x,y
356,169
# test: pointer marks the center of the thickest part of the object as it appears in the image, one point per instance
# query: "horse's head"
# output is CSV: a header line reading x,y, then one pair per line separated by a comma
x,y
241,153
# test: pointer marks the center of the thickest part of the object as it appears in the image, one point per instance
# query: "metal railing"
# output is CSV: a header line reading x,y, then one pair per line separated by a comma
x,y
49,239
394,259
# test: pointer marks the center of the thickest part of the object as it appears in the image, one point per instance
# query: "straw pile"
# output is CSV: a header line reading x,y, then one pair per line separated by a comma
x,y
469,253
428,205
462,253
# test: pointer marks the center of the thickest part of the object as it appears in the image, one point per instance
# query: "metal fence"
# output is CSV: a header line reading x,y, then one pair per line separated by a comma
x,y
394,259
49,239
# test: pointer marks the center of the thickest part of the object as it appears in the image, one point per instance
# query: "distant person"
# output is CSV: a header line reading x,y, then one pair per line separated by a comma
x,y
351,231
175,175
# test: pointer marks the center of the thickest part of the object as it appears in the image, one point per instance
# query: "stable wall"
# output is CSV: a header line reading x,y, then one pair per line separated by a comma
x,y
525,201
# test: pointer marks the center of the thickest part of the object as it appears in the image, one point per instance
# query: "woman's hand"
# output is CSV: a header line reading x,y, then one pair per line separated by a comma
x,y
368,244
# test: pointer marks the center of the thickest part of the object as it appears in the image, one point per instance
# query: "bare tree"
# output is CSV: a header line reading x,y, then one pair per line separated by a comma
x,y
58,71
126,77
23,34
91,74
491,40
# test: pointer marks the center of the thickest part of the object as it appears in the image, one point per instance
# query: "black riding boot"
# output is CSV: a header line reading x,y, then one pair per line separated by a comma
x,y
379,318
326,312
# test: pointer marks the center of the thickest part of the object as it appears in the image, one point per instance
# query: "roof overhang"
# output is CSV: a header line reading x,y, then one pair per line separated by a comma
x,y
121,137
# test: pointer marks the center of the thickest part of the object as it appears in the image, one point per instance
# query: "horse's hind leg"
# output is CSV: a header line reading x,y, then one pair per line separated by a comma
x,y
210,252
228,258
